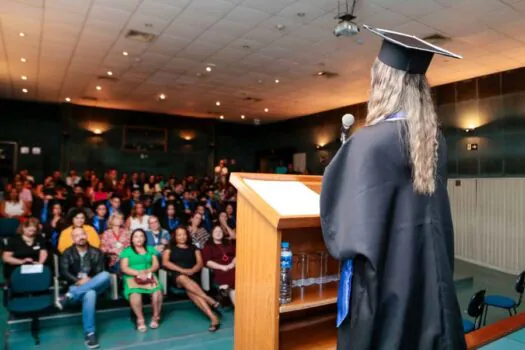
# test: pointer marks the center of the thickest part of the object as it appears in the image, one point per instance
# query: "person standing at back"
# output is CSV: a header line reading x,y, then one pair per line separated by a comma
x,y
385,212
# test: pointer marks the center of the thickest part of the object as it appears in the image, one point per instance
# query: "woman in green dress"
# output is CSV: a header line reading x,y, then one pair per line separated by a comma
x,y
139,265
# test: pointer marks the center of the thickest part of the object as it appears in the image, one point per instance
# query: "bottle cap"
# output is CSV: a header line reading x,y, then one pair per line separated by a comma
x,y
285,245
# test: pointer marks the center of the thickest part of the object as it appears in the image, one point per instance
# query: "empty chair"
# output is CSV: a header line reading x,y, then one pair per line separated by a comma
x,y
475,309
504,302
29,295
8,227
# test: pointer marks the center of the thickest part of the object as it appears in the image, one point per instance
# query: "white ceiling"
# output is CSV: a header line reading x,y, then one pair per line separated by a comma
x,y
69,43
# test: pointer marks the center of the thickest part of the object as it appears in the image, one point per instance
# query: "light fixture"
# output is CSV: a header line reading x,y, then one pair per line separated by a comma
x,y
124,53
24,91
23,60
277,81
67,99
23,77
218,103
266,110
208,69
222,117
98,87
162,97
321,73
280,26
110,73
242,116
22,34
97,131
259,81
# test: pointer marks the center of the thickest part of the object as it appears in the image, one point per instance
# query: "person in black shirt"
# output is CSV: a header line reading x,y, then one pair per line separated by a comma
x,y
28,247
185,262
83,267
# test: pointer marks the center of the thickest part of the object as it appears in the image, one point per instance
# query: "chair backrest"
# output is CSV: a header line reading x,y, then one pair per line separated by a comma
x,y
476,304
31,282
8,227
520,283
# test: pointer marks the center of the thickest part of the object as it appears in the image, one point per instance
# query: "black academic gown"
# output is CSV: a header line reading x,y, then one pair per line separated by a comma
x,y
403,294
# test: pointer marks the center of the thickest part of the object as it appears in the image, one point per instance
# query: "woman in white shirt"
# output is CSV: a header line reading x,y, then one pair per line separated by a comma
x,y
13,206
138,219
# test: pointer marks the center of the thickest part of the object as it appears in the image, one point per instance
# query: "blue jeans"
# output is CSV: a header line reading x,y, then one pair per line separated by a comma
x,y
87,294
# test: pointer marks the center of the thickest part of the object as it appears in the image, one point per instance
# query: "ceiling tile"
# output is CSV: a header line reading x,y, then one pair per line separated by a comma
x,y
162,11
301,12
270,7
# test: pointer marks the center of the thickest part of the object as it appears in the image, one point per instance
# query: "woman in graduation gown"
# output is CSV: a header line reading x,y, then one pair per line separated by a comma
x,y
385,213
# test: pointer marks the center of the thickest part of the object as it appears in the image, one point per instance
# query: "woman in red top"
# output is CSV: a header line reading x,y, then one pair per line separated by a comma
x,y
219,256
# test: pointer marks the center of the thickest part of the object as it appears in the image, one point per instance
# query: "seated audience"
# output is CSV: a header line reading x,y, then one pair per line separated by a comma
x,y
99,193
156,236
185,263
24,190
99,221
12,206
78,220
139,265
28,247
206,214
152,187
219,256
114,240
114,205
170,221
73,179
229,232
81,203
138,218
199,235
83,267
54,224
129,205
232,220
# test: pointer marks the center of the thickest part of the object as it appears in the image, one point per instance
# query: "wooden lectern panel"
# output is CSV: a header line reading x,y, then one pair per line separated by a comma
x,y
256,280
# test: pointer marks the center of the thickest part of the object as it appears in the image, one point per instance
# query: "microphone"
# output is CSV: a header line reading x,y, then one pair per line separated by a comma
x,y
346,122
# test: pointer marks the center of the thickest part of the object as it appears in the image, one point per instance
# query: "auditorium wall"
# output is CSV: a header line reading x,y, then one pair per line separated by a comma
x,y
65,134
487,112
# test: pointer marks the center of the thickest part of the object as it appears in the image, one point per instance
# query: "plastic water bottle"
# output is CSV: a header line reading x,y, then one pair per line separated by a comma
x,y
285,292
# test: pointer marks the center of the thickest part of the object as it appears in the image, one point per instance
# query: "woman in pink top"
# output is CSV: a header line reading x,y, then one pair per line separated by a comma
x,y
114,240
99,194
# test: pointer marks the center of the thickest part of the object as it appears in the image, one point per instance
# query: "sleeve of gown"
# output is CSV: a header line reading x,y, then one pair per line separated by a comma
x,y
356,197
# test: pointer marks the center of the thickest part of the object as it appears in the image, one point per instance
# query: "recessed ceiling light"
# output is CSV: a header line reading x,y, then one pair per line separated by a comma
x,y
24,91
218,103
280,26
110,73
22,34
23,77
208,69
124,53
242,116
277,81
222,117
98,87
67,99
162,97
97,131
266,110
321,73
23,60
259,81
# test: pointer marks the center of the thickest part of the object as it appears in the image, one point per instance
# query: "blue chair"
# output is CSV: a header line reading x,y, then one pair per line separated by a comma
x,y
504,302
30,295
8,227
475,309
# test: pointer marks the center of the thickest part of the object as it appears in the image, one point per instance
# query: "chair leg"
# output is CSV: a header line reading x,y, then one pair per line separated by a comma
x,y
515,311
6,340
35,329
510,311
485,317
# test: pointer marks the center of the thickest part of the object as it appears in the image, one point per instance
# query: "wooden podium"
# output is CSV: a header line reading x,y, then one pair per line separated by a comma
x,y
308,322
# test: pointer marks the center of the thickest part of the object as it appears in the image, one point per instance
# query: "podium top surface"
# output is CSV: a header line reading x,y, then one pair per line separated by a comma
x,y
286,201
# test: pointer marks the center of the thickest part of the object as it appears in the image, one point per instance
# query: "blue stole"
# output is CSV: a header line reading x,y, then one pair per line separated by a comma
x,y
186,204
43,214
344,292
163,202
99,225
173,224
149,210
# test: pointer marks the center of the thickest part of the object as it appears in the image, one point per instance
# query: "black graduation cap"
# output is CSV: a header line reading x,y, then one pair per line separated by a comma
x,y
407,52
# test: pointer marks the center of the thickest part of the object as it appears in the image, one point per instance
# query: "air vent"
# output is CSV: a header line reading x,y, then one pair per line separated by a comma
x,y
89,98
107,78
436,39
251,99
140,36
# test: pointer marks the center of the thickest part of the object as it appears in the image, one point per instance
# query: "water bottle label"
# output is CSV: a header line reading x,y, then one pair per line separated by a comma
x,y
286,260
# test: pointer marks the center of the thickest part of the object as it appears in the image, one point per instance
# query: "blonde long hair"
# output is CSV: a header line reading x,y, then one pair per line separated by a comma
x,y
393,91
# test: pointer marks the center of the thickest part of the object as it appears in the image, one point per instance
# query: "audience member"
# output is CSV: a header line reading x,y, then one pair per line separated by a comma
x,y
78,221
139,265
54,224
229,232
156,236
28,247
83,267
12,206
99,193
138,218
114,205
114,240
73,179
99,221
219,256
185,262
170,221
81,203
199,235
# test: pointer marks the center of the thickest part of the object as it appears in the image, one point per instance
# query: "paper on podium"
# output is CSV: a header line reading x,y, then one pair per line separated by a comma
x,y
287,197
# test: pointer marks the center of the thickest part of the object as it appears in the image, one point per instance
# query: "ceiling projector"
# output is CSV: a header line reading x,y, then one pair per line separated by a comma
x,y
346,28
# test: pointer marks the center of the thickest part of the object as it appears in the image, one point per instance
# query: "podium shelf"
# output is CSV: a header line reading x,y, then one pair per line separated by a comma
x,y
319,333
311,297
